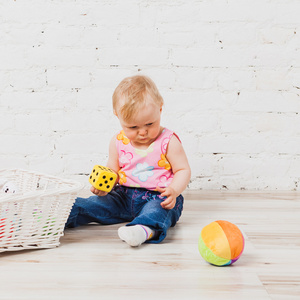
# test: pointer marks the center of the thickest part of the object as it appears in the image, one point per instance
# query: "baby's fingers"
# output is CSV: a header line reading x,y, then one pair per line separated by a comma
x,y
98,192
160,190
168,203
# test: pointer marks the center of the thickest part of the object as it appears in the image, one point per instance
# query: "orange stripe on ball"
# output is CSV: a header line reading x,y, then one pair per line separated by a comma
x,y
234,237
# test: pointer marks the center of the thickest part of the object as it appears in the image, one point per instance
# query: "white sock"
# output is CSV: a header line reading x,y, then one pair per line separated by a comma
x,y
135,235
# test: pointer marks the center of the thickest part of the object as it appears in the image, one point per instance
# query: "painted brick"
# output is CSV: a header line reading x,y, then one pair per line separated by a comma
x,y
229,72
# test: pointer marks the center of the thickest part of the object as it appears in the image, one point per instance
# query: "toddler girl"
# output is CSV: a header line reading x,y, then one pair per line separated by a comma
x,y
152,169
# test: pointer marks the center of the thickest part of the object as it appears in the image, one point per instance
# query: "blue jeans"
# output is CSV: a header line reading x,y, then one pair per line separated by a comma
x,y
125,204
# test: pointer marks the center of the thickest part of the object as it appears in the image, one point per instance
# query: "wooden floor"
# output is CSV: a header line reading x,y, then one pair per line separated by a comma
x,y
92,263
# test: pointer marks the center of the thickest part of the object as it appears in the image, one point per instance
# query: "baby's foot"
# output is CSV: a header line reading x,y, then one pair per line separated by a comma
x,y
135,235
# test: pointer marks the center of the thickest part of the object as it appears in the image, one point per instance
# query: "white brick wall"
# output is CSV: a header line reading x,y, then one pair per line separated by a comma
x,y
229,71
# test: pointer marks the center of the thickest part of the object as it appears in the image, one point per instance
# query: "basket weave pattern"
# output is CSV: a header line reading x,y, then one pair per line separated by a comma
x,y
35,216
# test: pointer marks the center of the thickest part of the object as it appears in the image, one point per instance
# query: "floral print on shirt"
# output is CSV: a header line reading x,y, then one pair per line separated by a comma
x,y
145,168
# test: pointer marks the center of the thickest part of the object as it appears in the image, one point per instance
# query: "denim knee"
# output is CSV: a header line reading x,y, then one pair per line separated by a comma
x,y
158,218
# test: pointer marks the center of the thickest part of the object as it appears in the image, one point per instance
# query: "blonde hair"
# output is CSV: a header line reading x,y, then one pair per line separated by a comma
x,y
134,91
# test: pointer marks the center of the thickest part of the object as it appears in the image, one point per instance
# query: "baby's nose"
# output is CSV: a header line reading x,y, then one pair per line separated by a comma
x,y
142,131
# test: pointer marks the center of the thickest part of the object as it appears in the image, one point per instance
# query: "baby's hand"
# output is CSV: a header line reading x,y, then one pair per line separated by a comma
x,y
98,192
170,193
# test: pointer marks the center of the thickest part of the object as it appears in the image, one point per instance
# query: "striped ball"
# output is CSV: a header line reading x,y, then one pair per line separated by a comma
x,y
221,243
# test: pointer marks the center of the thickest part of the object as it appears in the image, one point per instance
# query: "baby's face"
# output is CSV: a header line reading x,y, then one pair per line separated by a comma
x,y
144,128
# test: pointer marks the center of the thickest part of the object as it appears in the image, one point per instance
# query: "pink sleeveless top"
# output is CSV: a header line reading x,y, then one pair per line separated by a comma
x,y
147,168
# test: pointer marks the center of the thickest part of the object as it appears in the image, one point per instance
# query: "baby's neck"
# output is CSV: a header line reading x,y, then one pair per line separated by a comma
x,y
141,147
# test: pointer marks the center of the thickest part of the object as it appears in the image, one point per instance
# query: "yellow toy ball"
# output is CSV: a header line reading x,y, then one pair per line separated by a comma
x,y
221,243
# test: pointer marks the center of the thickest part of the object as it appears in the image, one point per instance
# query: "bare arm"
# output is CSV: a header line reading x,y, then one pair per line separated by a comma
x,y
113,158
112,163
181,170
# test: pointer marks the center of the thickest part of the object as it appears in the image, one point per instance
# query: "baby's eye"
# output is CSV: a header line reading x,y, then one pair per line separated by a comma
x,y
133,127
149,124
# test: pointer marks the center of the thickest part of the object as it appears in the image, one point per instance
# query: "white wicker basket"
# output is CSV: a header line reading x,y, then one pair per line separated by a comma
x,y
34,217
